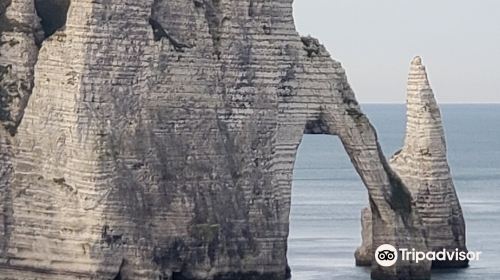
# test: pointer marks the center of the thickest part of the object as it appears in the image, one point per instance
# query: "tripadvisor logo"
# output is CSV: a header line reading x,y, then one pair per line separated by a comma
x,y
387,255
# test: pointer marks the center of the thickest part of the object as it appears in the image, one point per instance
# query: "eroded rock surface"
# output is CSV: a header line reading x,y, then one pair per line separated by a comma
x,y
19,33
423,166
159,142
364,254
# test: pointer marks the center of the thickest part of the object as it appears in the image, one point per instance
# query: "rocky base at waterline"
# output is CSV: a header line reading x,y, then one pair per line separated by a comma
x,y
364,254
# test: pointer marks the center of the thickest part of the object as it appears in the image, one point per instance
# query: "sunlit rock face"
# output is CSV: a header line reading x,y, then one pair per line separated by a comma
x,y
423,166
160,137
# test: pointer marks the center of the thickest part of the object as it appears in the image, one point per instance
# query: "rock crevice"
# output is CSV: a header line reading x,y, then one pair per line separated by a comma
x,y
53,14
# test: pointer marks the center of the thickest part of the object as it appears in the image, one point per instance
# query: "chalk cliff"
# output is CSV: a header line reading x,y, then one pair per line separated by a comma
x,y
423,166
159,140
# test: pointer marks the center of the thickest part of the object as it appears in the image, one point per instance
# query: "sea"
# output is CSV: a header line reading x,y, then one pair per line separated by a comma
x,y
328,195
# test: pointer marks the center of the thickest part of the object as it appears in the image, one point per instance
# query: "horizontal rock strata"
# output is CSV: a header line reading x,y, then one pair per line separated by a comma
x,y
423,166
160,137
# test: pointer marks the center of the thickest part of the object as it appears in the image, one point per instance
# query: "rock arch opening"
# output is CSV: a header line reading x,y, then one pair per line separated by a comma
x,y
53,14
327,195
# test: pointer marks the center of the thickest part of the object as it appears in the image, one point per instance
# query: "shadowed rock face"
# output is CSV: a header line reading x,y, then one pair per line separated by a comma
x,y
52,14
19,31
423,166
159,142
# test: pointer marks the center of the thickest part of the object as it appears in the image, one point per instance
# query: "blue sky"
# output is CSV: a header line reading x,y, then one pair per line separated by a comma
x,y
375,41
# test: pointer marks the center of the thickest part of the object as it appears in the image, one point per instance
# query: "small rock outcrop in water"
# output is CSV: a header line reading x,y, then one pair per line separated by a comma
x,y
156,140
422,165
364,254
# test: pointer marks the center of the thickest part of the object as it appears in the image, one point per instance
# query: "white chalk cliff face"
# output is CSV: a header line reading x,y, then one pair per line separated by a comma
x,y
159,140
423,166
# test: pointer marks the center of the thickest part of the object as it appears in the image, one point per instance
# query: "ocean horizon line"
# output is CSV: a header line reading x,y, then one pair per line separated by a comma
x,y
441,103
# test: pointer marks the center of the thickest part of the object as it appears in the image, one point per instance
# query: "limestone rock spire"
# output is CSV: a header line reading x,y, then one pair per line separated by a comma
x,y
423,167
424,128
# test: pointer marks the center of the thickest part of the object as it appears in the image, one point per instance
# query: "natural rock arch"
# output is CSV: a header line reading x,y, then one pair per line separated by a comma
x,y
388,196
138,160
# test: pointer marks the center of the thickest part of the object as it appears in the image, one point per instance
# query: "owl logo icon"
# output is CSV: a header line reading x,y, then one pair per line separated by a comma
x,y
386,255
